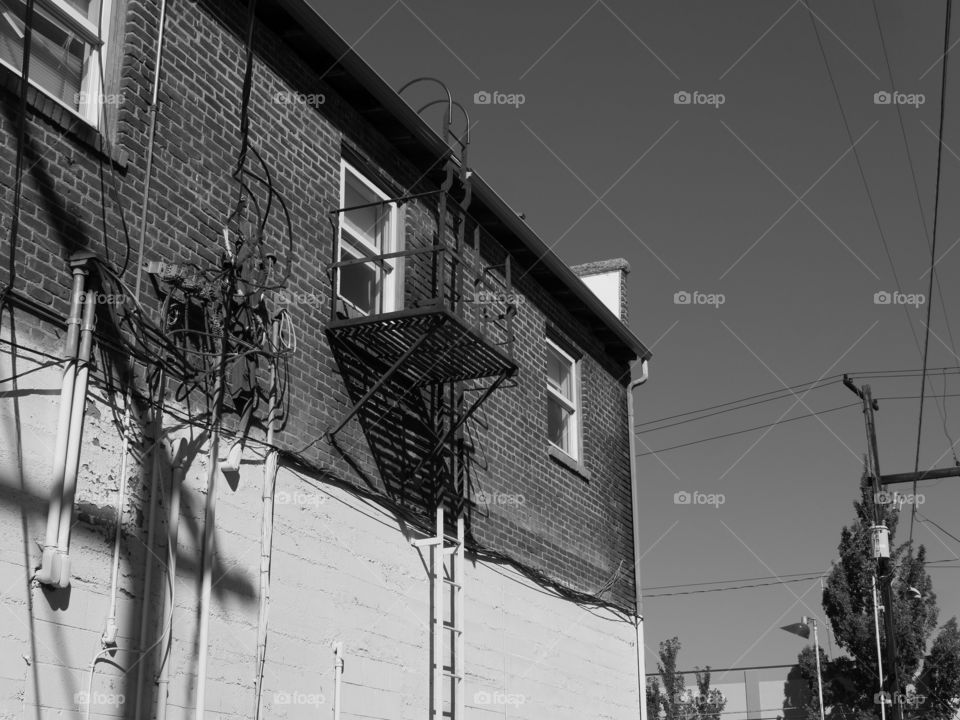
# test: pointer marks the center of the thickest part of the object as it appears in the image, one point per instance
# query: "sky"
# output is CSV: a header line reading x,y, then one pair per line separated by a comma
x,y
749,199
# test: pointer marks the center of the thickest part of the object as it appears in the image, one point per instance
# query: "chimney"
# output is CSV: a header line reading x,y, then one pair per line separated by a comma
x,y
608,281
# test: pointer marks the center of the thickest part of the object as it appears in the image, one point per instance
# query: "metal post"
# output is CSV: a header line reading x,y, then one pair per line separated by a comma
x,y
876,628
816,649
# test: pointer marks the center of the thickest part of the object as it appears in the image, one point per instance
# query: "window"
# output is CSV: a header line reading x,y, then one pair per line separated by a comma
x,y
368,231
563,400
65,49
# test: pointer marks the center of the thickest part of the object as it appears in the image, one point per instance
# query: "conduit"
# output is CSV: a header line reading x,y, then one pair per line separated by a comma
x,y
635,484
337,677
178,462
209,530
46,573
110,631
74,438
266,527
151,532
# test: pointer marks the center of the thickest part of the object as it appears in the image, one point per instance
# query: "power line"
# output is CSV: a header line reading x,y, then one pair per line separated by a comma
x,y
750,429
736,587
783,393
718,582
933,247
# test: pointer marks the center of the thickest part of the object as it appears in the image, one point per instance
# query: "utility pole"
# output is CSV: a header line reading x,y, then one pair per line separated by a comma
x,y
884,566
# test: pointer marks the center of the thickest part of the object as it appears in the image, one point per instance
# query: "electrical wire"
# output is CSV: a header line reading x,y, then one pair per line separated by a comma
x,y
933,248
736,587
21,143
750,429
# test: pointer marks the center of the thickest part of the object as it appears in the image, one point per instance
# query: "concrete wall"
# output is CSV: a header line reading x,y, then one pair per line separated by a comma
x,y
343,570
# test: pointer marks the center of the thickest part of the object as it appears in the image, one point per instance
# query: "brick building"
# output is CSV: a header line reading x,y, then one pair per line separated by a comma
x,y
298,416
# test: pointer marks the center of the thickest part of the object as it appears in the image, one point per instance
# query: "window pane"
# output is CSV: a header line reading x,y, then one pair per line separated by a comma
x,y
558,372
368,223
558,424
358,285
56,54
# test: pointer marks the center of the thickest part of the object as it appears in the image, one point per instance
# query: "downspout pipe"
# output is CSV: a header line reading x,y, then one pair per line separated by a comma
x,y
45,573
266,523
178,462
635,484
74,439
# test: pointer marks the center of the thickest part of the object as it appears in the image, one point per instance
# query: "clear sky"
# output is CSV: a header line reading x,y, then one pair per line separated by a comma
x,y
759,199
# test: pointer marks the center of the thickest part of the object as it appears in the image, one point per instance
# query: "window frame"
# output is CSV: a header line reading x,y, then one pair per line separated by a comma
x,y
388,298
90,104
573,404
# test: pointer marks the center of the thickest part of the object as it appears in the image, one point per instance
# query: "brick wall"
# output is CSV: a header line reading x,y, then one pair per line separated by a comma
x,y
574,528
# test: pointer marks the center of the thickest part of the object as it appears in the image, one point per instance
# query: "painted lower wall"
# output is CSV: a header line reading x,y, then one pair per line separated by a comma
x,y
343,570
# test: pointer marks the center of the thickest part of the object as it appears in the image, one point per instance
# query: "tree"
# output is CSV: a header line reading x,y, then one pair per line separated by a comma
x,y
672,699
929,684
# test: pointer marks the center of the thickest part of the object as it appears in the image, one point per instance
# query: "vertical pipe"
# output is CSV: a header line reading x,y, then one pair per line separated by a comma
x,y
438,616
148,555
266,525
45,574
178,470
635,486
337,678
459,623
75,437
209,527
110,632
816,649
876,629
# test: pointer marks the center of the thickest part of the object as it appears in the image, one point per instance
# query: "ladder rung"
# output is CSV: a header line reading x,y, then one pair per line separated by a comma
x,y
453,583
451,626
456,676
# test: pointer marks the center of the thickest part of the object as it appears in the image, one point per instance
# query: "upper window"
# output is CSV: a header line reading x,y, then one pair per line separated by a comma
x,y
65,49
368,229
563,400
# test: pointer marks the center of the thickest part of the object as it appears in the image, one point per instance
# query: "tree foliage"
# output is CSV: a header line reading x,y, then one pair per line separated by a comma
x,y
672,700
929,682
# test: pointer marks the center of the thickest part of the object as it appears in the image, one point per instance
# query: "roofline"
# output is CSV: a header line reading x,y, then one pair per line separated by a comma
x,y
318,29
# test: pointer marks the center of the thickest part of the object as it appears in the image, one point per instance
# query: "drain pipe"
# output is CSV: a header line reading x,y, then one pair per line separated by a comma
x,y
46,572
209,529
62,562
337,677
178,462
266,527
635,483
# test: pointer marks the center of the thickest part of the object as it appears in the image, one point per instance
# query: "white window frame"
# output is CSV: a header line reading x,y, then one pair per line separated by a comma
x,y
90,105
391,285
573,404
